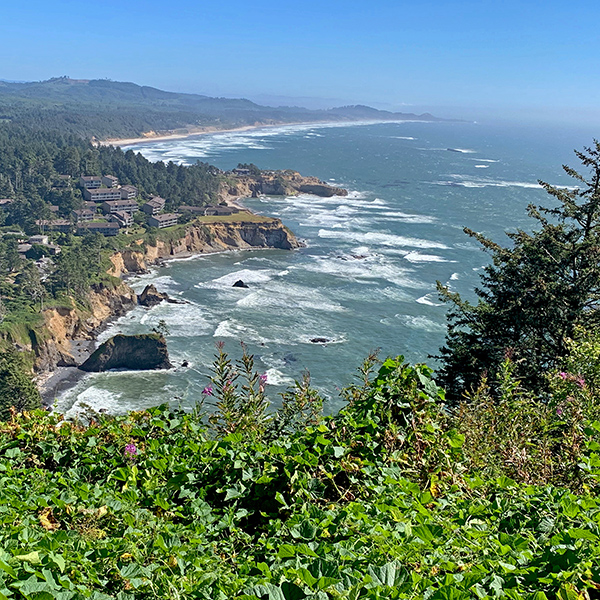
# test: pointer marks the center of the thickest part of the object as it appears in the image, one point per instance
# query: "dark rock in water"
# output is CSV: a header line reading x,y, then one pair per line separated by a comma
x,y
239,283
175,301
185,363
289,358
136,352
151,296
319,340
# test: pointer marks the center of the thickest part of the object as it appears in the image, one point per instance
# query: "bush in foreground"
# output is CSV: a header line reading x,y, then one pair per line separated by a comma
x,y
394,497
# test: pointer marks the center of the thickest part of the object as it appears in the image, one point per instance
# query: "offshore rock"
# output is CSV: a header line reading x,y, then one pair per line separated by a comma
x,y
151,296
135,352
240,284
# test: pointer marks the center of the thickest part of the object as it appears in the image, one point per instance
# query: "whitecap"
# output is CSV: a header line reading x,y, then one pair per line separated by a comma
x,y
276,377
482,166
454,276
421,323
417,257
427,300
383,239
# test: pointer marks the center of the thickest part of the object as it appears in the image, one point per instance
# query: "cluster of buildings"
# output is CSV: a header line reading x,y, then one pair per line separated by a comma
x,y
110,207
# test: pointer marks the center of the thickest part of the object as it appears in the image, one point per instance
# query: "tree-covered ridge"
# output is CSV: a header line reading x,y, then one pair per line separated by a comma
x,y
394,497
104,108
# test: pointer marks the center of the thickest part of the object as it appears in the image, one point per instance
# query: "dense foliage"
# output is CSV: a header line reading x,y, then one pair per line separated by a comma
x,y
535,292
394,497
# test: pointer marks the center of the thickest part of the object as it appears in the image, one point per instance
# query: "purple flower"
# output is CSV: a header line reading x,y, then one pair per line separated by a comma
x,y
580,381
559,411
262,381
208,391
130,451
563,375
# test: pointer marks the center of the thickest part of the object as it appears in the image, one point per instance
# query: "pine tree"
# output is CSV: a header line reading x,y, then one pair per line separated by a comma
x,y
534,293
16,387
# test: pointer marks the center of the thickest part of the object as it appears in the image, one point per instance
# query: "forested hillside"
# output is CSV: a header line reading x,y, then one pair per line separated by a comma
x,y
109,109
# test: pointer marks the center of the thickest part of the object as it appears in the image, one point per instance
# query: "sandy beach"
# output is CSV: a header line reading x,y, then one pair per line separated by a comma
x,y
191,133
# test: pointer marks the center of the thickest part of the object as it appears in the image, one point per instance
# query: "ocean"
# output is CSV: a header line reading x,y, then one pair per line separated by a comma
x,y
366,279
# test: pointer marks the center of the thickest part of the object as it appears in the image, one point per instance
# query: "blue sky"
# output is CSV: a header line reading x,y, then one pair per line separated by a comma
x,y
486,55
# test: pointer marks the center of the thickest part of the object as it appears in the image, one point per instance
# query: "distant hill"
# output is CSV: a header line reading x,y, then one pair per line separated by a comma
x,y
102,108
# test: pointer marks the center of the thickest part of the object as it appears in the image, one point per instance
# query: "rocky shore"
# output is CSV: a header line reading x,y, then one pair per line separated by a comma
x,y
69,334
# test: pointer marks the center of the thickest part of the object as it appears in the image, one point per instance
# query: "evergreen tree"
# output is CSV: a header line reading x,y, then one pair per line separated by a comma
x,y
16,387
534,293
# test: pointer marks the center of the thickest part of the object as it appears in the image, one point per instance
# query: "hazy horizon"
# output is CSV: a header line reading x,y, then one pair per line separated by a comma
x,y
459,59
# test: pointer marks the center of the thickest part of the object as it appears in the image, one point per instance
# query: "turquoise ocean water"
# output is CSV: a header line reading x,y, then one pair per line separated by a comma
x,y
367,277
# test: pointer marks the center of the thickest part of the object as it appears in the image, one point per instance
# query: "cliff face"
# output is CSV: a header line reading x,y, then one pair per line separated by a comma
x,y
52,345
207,238
279,183
63,324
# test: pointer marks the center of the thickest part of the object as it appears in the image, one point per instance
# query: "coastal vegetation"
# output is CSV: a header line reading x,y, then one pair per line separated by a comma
x,y
482,482
397,496
534,294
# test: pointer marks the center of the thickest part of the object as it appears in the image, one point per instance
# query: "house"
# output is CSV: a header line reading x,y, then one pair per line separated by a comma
x,y
152,207
84,214
220,210
110,181
53,208
90,182
128,192
195,210
164,220
242,172
38,239
122,218
4,202
103,227
102,194
158,200
61,225
112,206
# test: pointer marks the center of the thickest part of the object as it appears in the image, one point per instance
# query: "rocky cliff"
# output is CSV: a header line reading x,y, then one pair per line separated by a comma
x,y
138,352
206,238
277,183
52,346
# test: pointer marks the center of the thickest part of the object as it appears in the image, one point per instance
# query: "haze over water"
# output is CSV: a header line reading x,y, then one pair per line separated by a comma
x,y
367,277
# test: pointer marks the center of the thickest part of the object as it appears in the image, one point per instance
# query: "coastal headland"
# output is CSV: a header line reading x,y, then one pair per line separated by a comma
x,y
69,333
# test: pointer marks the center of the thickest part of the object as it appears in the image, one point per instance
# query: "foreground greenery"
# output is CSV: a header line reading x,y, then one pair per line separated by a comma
x,y
394,497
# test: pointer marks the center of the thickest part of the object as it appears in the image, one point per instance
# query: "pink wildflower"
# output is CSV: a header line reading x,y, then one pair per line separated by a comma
x,y
563,375
130,451
208,391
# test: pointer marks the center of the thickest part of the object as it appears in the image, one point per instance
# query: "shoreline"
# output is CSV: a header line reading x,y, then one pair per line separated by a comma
x,y
167,137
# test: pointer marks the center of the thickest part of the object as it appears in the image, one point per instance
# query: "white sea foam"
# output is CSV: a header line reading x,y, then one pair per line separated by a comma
x,y
482,166
420,322
276,377
417,257
229,328
454,276
462,150
403,137
427,300
288,298
98,399
481,182
246,275
372,267
401,217
380,239
486,160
